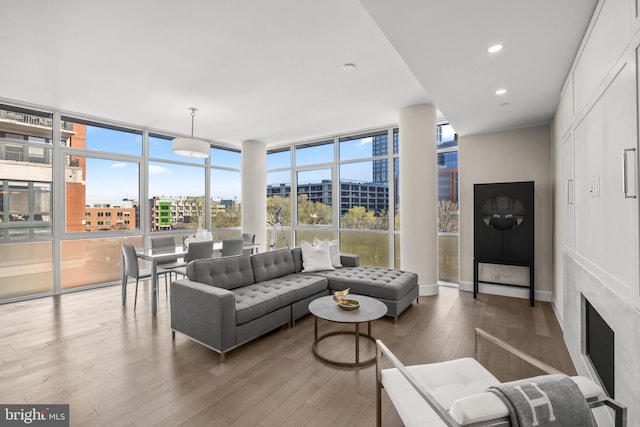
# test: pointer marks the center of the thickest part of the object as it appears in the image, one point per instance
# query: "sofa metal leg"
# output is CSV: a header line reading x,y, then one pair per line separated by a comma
x,y
173,335
221,357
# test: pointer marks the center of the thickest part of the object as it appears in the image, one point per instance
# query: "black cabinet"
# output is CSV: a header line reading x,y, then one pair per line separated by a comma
x,y
504,227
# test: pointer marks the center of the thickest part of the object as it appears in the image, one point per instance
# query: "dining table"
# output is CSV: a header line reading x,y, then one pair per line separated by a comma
x,y
156,256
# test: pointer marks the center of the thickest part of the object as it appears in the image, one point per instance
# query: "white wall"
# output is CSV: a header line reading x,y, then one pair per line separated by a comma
x,y
558,231
596,237
510,156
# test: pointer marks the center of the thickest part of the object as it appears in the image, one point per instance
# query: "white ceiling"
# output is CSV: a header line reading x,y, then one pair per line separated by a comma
x,y
273,70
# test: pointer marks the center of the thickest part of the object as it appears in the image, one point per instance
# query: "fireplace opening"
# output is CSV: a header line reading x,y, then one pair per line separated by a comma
x,y
600,348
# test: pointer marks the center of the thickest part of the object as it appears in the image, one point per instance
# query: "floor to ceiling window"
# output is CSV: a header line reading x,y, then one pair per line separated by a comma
x,y
279,198
314,168
342,188
102,200
226,193
118,184
174,205
448,211
26,217
364,196
76,192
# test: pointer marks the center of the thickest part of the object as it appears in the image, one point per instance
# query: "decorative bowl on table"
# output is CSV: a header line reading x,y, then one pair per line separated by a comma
x,y
344,303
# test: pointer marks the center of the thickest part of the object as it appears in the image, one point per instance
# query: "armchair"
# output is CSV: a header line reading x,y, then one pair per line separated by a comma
x,y
453,393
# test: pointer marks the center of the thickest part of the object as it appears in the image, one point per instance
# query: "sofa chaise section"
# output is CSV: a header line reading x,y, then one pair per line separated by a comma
x,y
397,289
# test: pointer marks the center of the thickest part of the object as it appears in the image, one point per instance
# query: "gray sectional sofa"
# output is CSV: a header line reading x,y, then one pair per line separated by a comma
x,y
226,302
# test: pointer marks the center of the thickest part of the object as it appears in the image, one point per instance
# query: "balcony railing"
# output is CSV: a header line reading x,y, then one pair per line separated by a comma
x,y
29,157
33,120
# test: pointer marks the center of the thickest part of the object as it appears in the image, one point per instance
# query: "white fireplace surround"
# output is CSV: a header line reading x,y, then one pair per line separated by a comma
x,y
620,315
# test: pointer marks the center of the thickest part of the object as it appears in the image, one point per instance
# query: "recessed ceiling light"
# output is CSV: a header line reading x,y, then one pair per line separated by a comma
x,y
349,66
495,48
501,91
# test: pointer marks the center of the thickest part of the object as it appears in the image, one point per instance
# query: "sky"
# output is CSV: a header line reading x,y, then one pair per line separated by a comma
x,y
348,150
114,180
111,180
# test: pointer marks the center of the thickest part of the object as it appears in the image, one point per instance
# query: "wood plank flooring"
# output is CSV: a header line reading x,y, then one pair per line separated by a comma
x,y
119,368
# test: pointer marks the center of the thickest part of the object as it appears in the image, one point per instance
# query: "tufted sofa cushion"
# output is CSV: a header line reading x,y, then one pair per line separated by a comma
x,y
260,298
273,264
227,273
372,281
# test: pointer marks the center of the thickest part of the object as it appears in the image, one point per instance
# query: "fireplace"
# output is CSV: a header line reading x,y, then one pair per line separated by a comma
x,y
600,348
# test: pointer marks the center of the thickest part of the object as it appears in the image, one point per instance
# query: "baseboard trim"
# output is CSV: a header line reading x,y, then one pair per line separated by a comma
x,y
557,311
507,291
428,290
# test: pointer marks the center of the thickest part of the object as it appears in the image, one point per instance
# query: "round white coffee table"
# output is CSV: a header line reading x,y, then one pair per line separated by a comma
x,y
327,309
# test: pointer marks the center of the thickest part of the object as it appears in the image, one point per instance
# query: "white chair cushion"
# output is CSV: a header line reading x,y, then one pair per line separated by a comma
x,y
477,408
447,381
458,385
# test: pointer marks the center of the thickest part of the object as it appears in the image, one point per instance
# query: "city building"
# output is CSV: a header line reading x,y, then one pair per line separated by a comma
x,y
27,175
380,147
373,196
100,216
170,213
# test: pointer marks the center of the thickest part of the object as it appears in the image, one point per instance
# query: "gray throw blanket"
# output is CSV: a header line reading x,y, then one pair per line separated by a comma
x,y
547,400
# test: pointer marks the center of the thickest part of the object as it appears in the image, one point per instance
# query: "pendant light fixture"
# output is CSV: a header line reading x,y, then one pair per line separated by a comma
x,y
190,147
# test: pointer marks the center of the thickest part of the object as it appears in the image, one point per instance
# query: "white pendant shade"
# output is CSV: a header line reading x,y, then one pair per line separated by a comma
x,y
190,147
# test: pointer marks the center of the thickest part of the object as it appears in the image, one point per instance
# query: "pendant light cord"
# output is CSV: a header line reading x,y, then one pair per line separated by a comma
x,y
193,116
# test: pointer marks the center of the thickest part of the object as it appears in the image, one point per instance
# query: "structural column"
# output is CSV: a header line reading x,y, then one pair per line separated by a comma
x,y
419,195
254,190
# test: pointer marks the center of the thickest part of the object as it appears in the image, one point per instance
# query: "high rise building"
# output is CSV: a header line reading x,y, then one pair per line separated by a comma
x,y
372,196
380,147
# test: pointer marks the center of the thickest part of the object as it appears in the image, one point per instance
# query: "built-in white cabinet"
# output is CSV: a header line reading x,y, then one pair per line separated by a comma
x,y
606,42
566,102
606,190
569,194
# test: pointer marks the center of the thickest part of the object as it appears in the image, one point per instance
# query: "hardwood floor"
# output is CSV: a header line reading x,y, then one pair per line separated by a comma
x,y
116,367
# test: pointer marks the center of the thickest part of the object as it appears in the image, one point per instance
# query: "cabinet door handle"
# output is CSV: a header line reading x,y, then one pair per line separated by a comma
x,y
569,191
625,171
